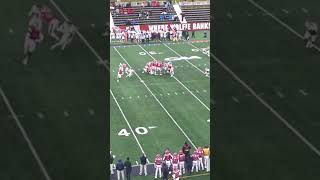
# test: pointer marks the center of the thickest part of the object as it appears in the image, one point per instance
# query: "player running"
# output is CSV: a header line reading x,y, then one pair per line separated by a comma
x,y
68,30
157,166
200,161
181,162
311,33
129,72
32,38
195,160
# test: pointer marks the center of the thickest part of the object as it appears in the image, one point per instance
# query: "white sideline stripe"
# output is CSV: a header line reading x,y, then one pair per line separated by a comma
x,y
125,118
174,121
148,161
281,22
137,163
284,121
185,59
179,82
25,135
81,36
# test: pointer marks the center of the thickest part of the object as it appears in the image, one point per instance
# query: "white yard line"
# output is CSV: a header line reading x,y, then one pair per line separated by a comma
x,y
125,118
280,22
25,136
185,60
173,120
198,48
179,82
273,111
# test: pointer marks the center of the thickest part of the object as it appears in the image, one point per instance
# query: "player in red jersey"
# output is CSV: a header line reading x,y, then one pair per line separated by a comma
x,y
120,73
200,154
176,173
175,161
167,158
46,13
157,165
32,38
181,162
195,159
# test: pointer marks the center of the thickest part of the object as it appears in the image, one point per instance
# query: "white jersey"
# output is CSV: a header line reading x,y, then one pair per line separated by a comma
x,y
36,22
66,28
34,10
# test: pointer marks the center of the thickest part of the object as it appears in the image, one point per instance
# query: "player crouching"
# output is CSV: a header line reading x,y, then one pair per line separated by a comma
x,y
32,38
311,33
176,173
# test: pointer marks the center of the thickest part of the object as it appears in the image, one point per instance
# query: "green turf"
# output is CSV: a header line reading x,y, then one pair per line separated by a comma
x,y
250,142
142,110
54,82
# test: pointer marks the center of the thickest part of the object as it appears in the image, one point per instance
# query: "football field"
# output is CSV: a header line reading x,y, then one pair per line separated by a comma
x,y
267,128
150,113
53,111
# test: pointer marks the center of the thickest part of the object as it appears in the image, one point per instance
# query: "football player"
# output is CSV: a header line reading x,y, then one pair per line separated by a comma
x,y
53,27
171,71
120,73
68,31
157,165
129,72
35,9
195,159
311,33
167,158
32,38
207,72
175,174
181,162
112,165
175,161
200,161
36,21
206,154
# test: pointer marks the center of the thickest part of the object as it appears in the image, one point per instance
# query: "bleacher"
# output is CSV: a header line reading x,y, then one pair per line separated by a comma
x,y
196,13
154,18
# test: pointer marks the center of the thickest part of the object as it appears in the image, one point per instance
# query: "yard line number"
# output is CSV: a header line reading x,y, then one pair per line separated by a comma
x,y
138,130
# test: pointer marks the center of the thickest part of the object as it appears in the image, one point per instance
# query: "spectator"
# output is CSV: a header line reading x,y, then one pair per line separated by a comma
x,y
193,34
128,166
205,34
111,162
182,16
165,171
143,165
188,164
120,169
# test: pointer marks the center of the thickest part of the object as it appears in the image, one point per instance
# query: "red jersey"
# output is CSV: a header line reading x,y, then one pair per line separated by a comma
x,y
120,71
124,66
181,157
46,14
34,34
175,160
158,160
200,153
167,157
195,157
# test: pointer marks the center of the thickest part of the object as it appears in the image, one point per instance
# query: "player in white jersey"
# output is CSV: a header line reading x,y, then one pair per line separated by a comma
x,y
35,21
311,33
32,38
120,74
207,72
129,72
53,28
68,31
35,9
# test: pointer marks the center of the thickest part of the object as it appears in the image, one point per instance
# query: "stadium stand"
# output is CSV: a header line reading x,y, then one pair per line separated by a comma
x,y
196,13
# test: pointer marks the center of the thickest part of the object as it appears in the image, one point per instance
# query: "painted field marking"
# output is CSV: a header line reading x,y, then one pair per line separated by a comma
x,y
285,11
273,111
40,115
280,94
173,120
235,99
305,10
281,22
229,15
25,136
178,81
125,118
303,92
66,113
91,111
